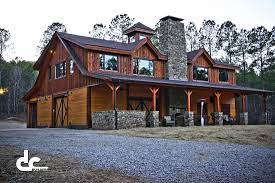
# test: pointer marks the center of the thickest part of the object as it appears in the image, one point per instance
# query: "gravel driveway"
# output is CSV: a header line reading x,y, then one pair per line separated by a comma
x,y
158,159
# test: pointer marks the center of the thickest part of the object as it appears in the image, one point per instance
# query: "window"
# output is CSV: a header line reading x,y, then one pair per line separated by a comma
x,y
143,67
223,75
50,73
200,73
60,70
132,39
71,66
142,37
108,62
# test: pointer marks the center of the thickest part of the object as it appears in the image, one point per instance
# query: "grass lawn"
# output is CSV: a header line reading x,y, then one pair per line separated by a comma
x,y
240,134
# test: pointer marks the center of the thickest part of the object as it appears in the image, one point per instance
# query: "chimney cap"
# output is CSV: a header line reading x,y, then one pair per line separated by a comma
x,y
172,18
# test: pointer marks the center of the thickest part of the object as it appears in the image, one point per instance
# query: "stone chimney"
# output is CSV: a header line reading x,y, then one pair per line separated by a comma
x,y
173,44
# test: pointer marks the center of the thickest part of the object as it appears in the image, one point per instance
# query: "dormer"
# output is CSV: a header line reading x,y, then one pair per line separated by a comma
x,y
138,32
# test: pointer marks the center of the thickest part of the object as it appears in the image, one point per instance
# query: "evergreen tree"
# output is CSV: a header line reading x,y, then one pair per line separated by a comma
x,y
48,33
99,31
208,35
227,39
192,36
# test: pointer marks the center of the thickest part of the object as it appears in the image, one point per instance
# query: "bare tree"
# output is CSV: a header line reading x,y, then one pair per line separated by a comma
x,y
4,38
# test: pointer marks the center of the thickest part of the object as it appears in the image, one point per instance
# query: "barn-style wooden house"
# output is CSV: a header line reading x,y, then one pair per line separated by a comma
x,y
86,82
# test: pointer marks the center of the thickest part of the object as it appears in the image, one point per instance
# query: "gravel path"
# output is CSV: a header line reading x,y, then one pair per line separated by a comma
x,y
159,159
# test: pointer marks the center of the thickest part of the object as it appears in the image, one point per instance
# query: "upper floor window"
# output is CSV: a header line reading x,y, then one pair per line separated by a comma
x,y
71,66
200,73
60,70
141,37
108,62
143,67
132,39
223,75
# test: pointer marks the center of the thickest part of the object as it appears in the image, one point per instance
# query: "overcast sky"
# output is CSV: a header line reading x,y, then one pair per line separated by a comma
x,y
27,19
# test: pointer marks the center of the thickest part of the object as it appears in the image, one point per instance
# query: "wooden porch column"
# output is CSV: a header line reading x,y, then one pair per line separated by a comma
x,y
218,94
243,103
114,89
264,103
154,98
188,93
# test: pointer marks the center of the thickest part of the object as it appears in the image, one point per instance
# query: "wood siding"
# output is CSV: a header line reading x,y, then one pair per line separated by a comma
x,y
125,62
44,111
213,72
77,107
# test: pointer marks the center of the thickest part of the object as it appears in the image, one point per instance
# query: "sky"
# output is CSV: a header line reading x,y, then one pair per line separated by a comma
x,y
28,19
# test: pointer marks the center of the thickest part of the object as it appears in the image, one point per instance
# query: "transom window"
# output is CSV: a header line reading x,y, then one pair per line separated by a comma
x,y
223,75
108,62
143,67
200,73
60,70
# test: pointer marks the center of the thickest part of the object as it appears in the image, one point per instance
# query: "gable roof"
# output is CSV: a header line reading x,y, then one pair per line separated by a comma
x,y
193,55
85,41
139,27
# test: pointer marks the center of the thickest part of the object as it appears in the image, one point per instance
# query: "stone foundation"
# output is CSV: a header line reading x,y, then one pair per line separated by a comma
x,y
105,120
188,118
218,118
153,119
244,118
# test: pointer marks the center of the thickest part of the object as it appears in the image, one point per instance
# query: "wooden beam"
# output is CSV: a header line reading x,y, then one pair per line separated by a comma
x,y
218,94
243,103
188,93
264,103
114,89
154,100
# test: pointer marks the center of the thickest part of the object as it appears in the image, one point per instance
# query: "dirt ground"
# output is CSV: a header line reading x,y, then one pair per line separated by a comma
x,y
61,169
260,135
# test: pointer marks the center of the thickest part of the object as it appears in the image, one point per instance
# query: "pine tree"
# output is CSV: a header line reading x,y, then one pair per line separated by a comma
x,y
192,36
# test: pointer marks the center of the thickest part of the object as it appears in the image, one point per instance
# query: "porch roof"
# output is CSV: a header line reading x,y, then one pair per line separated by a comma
x,y
178,83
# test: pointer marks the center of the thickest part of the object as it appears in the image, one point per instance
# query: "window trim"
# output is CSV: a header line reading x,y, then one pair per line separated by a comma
x,y
198,79
62,76
142,58
106,70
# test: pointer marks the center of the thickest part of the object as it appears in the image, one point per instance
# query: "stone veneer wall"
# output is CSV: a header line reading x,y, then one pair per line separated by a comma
x,y
153,119
105,120
172,42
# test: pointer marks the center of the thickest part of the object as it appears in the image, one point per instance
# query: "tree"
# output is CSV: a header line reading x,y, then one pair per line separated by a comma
x,y
207,37
258,47
192,36
118,25
155,37
242,49
4,38
227,39
99,31
48,33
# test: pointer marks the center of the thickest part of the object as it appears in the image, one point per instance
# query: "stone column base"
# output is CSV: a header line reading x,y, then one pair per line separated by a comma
x,y
153,119
188,118
244,118
218,118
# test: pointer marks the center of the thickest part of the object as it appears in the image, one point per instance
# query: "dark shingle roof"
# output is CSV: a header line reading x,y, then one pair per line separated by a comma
x,y
139,27
88,41
172,18
192,54
178,83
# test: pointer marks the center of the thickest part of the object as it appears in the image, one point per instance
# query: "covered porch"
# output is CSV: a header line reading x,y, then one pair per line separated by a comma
x,y
175,102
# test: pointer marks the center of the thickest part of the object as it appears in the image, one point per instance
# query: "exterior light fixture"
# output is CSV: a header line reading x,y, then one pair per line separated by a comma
x,y
3,90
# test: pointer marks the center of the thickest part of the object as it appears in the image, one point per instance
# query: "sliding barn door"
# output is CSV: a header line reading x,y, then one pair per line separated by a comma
x,y
61,112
